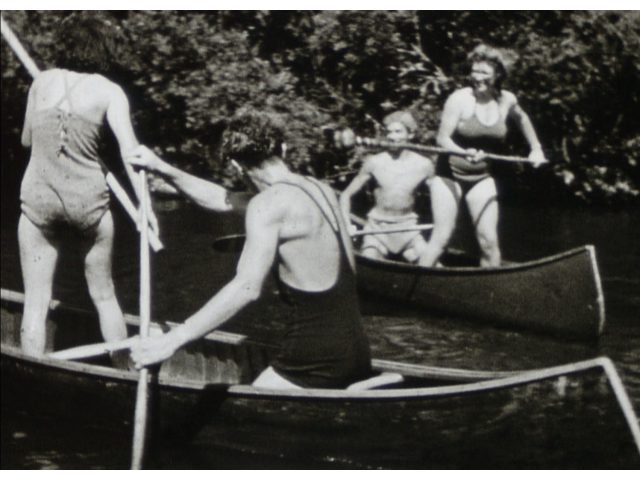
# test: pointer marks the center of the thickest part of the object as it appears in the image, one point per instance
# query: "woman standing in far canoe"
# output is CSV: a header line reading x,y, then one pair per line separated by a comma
x,y
474,121
64,187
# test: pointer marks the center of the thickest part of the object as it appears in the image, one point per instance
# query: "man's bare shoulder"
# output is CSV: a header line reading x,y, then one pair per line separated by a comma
x,y
276,200
265,209
372,161
419,158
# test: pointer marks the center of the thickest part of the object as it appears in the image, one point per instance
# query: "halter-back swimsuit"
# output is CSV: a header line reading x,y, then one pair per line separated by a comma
x,y
64,182
324,344
471,133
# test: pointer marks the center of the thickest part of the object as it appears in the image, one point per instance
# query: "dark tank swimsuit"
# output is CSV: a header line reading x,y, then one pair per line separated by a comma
x,y
324,342
471,133
64,183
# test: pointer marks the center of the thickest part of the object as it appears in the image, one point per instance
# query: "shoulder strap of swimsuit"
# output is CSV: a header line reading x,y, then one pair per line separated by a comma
x,y
339,234
336,230
324,195
68,89
315,201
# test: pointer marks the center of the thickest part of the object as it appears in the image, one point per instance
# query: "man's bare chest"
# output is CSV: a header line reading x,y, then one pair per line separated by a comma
x,y
400,174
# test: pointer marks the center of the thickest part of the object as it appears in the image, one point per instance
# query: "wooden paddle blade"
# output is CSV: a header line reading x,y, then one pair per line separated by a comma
x,y
232,243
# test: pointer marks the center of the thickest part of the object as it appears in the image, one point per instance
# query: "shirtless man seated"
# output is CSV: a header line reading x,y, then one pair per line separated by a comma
x,y
398,173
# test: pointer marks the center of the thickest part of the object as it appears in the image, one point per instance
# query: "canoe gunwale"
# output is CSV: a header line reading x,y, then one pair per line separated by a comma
x,y
598,283
400,266
468,378
516,378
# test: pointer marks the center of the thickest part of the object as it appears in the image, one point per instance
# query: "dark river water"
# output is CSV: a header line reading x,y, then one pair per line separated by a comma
x,y
189,272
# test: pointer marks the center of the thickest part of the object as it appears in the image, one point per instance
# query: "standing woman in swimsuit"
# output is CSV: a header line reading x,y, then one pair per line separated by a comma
x,y
64,186
474,121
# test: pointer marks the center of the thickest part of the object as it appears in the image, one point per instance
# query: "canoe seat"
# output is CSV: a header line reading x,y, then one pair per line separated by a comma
x,y
378,381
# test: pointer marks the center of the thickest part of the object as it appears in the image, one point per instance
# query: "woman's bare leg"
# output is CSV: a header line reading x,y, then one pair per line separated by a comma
x,y
97,269
445,196
38,258
482,201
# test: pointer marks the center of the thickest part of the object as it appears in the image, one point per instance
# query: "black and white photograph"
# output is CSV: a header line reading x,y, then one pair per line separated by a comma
x,y
320,239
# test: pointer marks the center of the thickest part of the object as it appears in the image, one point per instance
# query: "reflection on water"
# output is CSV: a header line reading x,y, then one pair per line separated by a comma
x,y
188,272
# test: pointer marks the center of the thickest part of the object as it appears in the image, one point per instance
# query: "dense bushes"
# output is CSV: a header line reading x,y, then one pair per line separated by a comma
x,y
577,75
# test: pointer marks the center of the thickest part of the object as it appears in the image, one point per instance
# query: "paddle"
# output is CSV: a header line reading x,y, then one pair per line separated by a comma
x,y
233,243
142,394
399,229
368,142
111,180
96,349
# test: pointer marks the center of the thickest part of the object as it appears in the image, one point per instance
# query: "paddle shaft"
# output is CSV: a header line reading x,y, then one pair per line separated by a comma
x,y
96,349
403,229
231,242
368,142
142,394
112,182
128,206
18,49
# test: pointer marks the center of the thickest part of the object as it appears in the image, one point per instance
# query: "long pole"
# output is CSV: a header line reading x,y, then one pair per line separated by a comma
x,y
142,395
111,180
368,142
18,49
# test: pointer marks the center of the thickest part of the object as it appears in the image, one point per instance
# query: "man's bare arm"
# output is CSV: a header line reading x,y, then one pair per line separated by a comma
x,y
262,226
356,184
206,194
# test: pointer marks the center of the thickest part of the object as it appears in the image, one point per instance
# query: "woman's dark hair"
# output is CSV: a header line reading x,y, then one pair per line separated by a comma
x,y
252,137
500,60
88,44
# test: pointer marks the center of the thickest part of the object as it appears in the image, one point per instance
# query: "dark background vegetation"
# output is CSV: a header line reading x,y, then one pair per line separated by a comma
x,y
577,75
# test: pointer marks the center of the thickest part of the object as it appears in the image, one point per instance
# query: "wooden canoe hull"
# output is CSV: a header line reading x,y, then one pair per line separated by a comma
x,y
559,295
560,417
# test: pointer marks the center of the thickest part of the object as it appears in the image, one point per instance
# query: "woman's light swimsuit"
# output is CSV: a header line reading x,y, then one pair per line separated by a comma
x,y
64,182
471,133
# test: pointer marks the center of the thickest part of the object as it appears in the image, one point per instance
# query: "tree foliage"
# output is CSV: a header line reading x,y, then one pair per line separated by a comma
x,y
578,76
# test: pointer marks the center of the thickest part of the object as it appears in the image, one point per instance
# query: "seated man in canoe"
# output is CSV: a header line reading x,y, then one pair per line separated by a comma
x,y
398,173
296,223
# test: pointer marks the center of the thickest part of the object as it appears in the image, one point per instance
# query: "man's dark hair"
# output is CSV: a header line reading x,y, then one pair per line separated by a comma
x,y
252,137
88,44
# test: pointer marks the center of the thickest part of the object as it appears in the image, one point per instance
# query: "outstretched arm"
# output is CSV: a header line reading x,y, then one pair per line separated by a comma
x,y
262,226
206,194
356,184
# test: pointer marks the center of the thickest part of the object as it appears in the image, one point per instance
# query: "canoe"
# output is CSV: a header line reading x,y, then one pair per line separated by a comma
x,y
559,295
571,416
